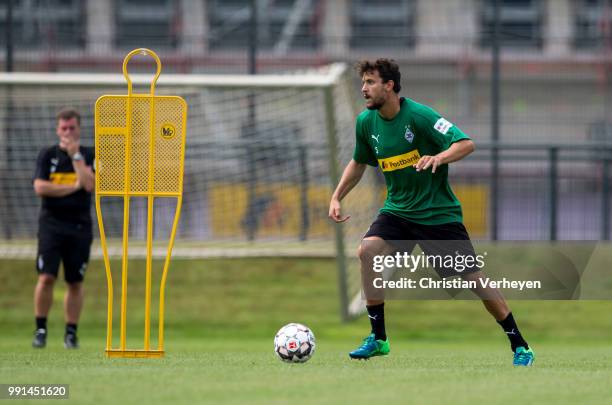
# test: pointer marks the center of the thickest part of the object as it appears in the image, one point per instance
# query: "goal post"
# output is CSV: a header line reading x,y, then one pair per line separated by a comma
x,y
263,154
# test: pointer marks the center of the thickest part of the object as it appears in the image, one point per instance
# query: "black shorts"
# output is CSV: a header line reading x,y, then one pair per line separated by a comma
x,y
442,240
68,243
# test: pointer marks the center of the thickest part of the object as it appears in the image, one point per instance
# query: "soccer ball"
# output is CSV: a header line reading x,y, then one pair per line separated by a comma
x,y
294,343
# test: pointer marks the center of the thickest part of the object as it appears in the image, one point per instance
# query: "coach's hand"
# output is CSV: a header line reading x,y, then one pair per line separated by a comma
x,y
425,162
335,211
70,144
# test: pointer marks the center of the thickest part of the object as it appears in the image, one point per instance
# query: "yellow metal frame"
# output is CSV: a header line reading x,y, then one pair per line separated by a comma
x,y
127,193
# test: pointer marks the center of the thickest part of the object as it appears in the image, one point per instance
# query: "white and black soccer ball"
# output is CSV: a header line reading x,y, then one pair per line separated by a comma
x,y
294,343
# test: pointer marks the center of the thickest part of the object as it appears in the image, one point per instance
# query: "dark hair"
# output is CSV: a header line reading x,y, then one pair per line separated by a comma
x,y
68,113
386,68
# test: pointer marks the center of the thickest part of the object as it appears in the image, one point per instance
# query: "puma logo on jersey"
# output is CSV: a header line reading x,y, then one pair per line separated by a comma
x,y
376,137
400,161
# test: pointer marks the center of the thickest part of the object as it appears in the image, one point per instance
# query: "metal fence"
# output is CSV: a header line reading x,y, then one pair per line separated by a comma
x,y
546,104
541,192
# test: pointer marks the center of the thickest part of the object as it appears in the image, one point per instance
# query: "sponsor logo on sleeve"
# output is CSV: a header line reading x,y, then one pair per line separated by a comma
x,y
442,126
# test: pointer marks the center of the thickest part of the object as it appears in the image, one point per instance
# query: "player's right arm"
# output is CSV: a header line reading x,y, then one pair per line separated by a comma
x,y
43,187
350,177
362,157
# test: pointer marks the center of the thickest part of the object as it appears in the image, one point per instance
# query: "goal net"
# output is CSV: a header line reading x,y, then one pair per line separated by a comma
x,y
263,155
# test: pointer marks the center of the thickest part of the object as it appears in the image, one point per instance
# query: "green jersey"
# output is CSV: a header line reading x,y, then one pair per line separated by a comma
x,y
395,146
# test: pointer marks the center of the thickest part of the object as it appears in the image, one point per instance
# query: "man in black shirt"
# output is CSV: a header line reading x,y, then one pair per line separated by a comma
x,y
64,179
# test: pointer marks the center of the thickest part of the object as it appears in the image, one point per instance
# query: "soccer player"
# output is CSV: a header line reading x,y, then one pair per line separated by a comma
x,y
413,145
64,179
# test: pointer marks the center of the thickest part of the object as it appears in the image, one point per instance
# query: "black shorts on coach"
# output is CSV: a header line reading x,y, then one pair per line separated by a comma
x,y
65,242
435,240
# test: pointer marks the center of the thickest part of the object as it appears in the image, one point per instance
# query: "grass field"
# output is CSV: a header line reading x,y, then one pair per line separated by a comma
x,y
222,315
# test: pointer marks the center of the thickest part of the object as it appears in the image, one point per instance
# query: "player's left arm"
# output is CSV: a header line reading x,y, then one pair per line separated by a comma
x,y
457,151
451,143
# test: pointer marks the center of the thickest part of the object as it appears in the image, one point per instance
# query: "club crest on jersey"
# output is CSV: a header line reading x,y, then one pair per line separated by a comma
x,y
408,135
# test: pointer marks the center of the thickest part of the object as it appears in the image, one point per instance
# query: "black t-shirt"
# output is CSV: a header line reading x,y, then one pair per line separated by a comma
x,y
54,165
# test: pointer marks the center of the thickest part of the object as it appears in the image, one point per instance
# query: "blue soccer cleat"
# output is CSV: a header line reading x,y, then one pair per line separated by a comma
x,y
523,357
370,348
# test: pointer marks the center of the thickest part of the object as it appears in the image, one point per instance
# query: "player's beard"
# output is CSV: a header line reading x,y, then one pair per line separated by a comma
x,y
377,103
